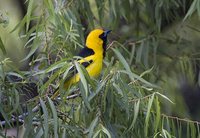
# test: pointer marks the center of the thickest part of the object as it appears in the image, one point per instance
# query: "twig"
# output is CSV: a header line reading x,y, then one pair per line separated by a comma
x,y
143,98
181,119
111,44
167,116
73,96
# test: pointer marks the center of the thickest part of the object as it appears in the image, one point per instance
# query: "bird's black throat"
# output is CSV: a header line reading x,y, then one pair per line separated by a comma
x,y
104,38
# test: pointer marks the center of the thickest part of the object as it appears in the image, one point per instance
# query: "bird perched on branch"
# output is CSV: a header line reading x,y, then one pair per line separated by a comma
x,y
92,58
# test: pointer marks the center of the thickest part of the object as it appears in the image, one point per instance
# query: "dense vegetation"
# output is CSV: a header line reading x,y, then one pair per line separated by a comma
x,y
152,59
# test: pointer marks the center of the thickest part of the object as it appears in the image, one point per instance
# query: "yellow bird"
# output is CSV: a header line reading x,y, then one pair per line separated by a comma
x,y
92,58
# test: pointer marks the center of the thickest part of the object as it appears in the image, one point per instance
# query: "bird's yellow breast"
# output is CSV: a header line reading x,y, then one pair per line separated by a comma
x,y
94,69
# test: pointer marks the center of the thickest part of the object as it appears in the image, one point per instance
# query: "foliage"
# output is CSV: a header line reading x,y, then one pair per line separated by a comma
x,y
143,67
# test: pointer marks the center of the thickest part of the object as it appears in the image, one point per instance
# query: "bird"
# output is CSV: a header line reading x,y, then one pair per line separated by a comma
x,y
92,56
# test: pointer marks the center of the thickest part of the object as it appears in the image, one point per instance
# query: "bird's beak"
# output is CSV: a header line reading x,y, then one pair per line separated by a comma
x,y
106,32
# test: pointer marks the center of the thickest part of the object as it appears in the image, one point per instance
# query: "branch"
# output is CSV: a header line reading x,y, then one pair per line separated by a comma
x,y
181,119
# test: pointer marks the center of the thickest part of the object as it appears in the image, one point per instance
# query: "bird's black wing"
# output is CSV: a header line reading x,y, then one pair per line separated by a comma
x,y
73,71
85,52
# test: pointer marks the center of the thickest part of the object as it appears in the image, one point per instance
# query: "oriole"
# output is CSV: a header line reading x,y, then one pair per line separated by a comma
x,y
92,57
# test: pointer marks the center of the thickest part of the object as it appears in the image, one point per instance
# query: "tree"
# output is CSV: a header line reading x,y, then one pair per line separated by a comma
x,y
152,50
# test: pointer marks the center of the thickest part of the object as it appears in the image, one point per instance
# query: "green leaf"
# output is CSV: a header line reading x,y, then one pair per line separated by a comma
x,y
57,65
48,83
28,125
50,6
92,126
28,14
77,114
55,117
5,116
82,77
87,9
45,113
191,9
2,47
16,100
102,84
134,76
198,130
148,115
180,132
66,72
96,133
15,74
39,133
105,131
157,120
192,130
139,53
188,129
85,99
136,111
146,72
165,97
166,134
118,89
113,7
34,47
84,85
129,72
122,59
132,53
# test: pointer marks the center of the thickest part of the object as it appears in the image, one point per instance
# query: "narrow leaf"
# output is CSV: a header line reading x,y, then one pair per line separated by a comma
x,y
148,115
92,126
136,111
45,113
55,117
146,72
122,59
106,131
28,15
2,47
82,77
165,97
5,117
157,120
191,10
